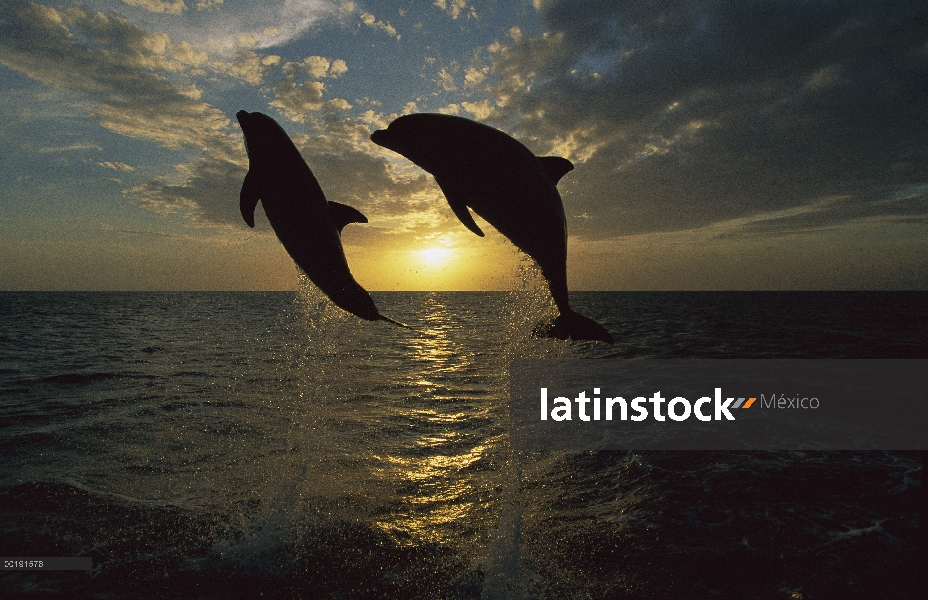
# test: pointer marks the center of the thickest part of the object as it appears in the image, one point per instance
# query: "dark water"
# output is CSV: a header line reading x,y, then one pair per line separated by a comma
x,y
239,445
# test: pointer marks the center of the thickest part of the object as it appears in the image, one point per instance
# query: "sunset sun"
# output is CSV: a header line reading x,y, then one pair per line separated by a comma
x,y
435,257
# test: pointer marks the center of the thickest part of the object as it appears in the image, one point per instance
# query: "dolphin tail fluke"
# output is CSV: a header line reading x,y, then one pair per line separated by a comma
x,y
574,326
585,328
389,320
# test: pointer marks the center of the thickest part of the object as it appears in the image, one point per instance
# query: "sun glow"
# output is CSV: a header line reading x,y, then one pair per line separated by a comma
x,y
455,261
435,257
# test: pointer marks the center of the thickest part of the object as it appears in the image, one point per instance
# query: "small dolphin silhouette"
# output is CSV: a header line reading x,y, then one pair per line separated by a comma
x,y
482,168
308,226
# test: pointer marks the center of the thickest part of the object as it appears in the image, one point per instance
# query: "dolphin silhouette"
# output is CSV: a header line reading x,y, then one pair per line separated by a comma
x,y
485,169
306,224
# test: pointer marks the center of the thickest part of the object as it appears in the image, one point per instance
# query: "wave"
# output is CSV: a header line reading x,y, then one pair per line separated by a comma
x,y
148,550
78,378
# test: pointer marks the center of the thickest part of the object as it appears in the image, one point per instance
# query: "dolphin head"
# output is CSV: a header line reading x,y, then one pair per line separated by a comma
x,y
418,137
261,132
397,136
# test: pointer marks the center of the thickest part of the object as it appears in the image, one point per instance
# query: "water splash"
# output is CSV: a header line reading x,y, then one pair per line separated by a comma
x,y
506,568
530,303
306,471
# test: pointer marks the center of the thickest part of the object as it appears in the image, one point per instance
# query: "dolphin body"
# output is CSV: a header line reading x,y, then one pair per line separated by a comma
x,y
306,224
482,168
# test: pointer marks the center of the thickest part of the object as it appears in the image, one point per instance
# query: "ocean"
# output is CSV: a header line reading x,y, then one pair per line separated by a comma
x,y
245,445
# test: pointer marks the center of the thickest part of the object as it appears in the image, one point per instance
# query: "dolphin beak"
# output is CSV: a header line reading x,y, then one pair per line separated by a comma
x,y
379,137
242,116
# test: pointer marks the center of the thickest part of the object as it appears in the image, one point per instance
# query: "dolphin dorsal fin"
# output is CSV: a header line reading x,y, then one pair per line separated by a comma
x,y
556,167
248,198
459,205
342,214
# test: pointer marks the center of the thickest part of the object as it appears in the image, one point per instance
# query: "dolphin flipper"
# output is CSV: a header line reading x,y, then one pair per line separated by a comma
x,y
555,166
459,205
248,198
342,214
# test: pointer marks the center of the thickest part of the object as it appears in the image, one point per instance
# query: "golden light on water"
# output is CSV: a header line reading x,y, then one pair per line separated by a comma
x,y
441,494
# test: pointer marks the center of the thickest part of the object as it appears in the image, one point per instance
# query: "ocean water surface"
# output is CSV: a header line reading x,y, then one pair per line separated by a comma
x,y
240,445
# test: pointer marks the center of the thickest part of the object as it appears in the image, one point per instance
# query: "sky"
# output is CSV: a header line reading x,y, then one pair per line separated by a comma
x,y
750,145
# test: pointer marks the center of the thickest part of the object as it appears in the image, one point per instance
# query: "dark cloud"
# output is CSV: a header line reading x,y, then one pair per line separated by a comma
x,y
209,189
906,207
696,112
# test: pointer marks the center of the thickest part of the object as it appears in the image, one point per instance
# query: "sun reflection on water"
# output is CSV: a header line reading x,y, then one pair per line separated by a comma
x,y
439,501
434,346
441,489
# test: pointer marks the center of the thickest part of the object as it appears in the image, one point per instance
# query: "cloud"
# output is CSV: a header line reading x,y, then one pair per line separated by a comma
x,y
274,22
114,64
372,22
117,166
295,99
480,110
474,76
246,65
696,112
140,84
446,80
225,25
69,148
207,190
909,206
338,104
172,7
188,54
318,67
338,68
454,8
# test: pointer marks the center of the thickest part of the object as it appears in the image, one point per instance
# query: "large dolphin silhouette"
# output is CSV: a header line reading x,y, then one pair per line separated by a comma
x,y
306,224
482,168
